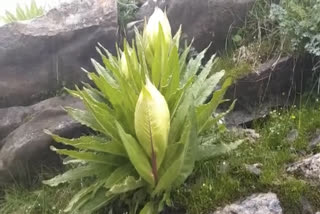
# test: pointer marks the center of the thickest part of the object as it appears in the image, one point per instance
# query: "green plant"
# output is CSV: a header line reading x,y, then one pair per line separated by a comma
x,y
151,121
299,23
28,12
126,10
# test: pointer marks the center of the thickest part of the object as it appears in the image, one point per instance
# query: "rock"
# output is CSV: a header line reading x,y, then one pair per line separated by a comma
x,y
205,21
264,203
306,206
315,141
249,134
27,146
292,135
242,117
40,56
11,118
273,84
308,168
254,168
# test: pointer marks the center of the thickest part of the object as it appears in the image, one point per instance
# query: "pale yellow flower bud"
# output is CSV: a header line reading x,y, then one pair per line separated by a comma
x,y
152,123
124,65
152,28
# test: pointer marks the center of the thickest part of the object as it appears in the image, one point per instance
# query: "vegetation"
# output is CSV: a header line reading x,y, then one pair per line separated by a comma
x,y
151,121
226,179
23,13
126,11
299,24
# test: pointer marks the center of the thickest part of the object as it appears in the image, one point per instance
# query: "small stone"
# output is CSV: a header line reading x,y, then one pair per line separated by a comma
x,y
292,135
306,206
315,141
264,203
249,134
254,168
308,167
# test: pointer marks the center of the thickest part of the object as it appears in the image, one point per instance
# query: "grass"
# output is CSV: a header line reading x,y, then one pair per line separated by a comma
x,y
225,179
35,200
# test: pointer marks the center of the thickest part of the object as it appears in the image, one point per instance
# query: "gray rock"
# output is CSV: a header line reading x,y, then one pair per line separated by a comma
x,y
40,56
306,206
250,134
27,147
267,203
315,141
11,118
308,168
254,168
292,135
204,20
271,85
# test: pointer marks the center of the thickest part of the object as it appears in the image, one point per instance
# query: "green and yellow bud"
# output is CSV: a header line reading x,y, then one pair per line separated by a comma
x,y
152,123
157,19
124,64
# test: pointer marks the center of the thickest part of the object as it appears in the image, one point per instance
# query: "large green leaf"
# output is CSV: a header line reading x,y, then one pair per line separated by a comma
x,y
173,67
214,120
204,112
95,202
149,208
85,118
183,164
119,175
209,151
179,119
77,173
202,77
93,143
101,158
84,195
193,66
189,153
103,72
129,184
102,113
208,86
137,156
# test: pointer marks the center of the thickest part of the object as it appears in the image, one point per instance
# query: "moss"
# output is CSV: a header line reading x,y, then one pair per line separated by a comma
x,y
233,69
225,179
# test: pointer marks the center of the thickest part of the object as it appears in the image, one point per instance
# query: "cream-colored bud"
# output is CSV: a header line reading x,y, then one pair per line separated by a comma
x,y
152,122
152,28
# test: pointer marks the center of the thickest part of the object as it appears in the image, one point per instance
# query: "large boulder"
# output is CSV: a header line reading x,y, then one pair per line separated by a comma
x,y
204,20
26,146
273,84
40,56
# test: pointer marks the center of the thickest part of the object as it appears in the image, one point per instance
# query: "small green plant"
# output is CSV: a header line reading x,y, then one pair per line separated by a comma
x,y
151,122
28,12
299,23
126,10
